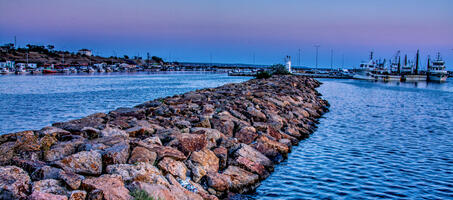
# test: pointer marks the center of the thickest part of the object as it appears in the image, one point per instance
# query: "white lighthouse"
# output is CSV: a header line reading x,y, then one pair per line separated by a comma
x,y
288,63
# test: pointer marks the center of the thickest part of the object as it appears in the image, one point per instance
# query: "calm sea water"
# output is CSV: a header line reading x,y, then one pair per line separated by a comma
x,y
379,141
32,102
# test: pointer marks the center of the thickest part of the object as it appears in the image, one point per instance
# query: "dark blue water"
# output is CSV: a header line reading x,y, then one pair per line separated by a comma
x,y
379,141
32,102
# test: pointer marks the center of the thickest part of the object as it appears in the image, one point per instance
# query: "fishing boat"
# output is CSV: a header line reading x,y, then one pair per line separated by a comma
x,y
436,70
21,70
49,71
4,71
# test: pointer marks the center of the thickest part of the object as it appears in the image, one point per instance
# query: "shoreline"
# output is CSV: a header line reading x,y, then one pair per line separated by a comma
x,y
205,144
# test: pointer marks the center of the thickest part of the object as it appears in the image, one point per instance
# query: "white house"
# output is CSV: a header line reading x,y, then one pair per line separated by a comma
x,y
86,52
7,64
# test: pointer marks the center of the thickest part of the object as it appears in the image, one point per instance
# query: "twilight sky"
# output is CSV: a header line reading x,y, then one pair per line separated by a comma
x,y
233,31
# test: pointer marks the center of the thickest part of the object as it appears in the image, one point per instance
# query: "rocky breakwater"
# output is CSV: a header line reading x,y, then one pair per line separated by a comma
x,y
206,144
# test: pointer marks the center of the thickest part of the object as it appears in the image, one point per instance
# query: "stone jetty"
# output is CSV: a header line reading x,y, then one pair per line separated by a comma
x,y
207,144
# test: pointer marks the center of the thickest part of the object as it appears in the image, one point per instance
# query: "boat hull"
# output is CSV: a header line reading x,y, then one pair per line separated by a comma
x,y
438,78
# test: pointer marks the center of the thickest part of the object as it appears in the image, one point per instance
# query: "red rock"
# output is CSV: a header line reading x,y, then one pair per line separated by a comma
x,y
212,135
154,190
84,162
14,182
246,135
117,154
6,152
222,154
175,168
191,142
141,154
27,141
220,182
241,180
37,195
256,114
73,180
77,195
112,187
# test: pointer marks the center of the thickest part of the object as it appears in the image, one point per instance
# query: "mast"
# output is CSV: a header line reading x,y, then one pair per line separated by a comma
x,y
399,64
405,60
416,60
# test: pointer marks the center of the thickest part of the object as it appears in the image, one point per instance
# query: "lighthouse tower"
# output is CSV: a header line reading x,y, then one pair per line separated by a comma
x,y
288,63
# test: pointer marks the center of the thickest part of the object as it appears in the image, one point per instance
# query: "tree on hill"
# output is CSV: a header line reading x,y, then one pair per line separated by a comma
x,y
157,59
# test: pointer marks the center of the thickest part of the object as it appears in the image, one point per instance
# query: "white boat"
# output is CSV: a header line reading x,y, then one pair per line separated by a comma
x,y
366,69
4,71
437,71
21,70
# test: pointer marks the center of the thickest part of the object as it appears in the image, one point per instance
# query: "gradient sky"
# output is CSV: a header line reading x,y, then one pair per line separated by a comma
x,y
233,31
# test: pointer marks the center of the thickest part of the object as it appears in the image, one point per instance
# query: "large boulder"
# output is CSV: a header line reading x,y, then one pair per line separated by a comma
x,y
37,195
130,172
191,142
203,162
241,180
141,154
6,152
46,172
246,135
71,179
111,187
253,160
84,162
117,154
63,149
113,132
51,186
224,122
211,135
219,182
173,167
14,183
154,190
96,120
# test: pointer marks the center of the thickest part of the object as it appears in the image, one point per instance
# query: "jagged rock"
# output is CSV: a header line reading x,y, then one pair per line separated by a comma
x,y
241,180
113,132
63,149
256,114
37,195
224,122
163,151
90,132
130,172
27,141
246,135
6,152
191,142
46,172
220,182
154,190
222,154
212,135
14,183
84,162
141,154
95,195
112,187
28,165
180,192
77,195
140,131
182,124
253,160
50,186
175,168
203,162
53,131
71,179
204,123
117,154
75,126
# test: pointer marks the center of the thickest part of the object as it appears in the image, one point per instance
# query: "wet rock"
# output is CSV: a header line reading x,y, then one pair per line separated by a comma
x,y
253,160
84,162
141,154
37,195
175,168
241,180
129,112
117,154
77,195
14,183
50,186
191,142
112,187
219,182
71,179
246,135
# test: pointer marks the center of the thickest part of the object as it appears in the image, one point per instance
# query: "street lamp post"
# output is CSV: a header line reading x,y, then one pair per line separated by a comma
x,y
317,48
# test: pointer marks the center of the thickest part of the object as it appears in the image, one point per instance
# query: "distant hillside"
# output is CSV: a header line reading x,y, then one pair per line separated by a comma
x,y
46,55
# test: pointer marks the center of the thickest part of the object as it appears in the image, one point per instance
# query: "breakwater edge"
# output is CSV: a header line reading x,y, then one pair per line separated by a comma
x,y
207,144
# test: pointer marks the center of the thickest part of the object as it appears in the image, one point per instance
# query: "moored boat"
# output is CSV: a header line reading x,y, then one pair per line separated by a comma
x,y
437,71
